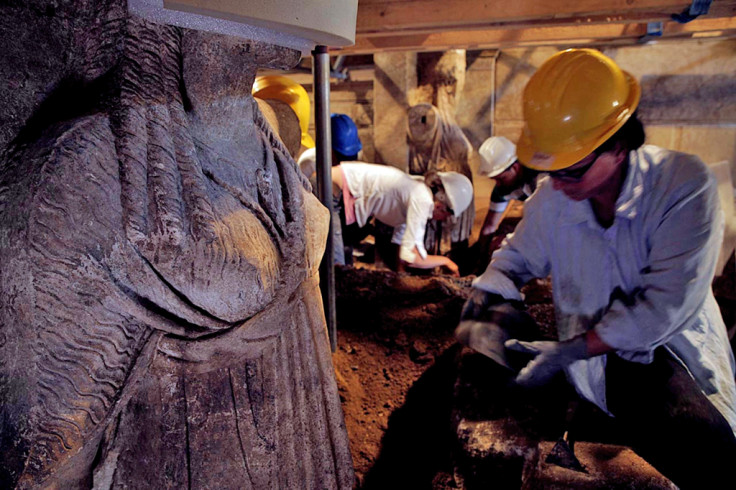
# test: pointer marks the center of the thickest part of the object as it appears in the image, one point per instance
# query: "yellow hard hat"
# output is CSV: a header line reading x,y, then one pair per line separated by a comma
x,y
573,103
287,90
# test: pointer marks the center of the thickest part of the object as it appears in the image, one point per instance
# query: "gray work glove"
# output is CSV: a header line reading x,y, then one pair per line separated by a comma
x,y
478,303
488,320
485,337
549,358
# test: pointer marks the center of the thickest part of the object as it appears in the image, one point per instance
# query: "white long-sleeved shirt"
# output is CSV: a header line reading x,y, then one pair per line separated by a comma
x,y
394,198
642,283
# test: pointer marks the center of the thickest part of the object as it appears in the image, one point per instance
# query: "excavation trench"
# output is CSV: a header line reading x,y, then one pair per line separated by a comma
x,y
424,412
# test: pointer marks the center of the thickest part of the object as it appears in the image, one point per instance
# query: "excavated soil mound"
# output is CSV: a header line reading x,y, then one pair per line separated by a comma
x,y
408,390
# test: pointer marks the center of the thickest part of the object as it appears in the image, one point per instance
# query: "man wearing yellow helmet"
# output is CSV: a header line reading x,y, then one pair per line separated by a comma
x,y
630,235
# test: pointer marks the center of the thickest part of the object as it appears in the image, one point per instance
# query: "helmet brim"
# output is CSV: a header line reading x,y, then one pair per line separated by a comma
x,y
459,191
501,168
307,140
532,157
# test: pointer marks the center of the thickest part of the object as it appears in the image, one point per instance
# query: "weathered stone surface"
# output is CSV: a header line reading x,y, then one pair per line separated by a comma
x,y
499,426
51,46
441,78
608,467
437,144
284,123
355,98
514,67
160,320
712,143
688,95
688,98
395,75
475,101
494,452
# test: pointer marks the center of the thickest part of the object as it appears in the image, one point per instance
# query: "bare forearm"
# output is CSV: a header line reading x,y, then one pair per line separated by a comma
x,y
490,225
432,261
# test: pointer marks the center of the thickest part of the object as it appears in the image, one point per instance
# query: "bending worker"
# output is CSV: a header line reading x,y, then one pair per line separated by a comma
x,y
396,199
630,234
513,181
346,146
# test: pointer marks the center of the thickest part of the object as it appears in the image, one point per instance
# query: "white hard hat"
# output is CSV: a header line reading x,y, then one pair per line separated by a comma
x,y
459,191
308,162
496,155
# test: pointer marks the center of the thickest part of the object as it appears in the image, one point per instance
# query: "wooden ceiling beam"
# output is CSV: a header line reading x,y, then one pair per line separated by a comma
x,y
608,34
386,17
627,18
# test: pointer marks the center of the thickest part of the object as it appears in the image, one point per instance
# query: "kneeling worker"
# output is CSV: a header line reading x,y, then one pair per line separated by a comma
x,y
630,234
513,181
396,199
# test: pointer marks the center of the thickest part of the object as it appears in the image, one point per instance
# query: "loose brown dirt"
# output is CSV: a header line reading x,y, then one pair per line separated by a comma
x,y
374,378
395,371
396,368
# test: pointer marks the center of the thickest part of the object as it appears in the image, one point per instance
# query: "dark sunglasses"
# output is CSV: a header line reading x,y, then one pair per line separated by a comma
x,y
575,173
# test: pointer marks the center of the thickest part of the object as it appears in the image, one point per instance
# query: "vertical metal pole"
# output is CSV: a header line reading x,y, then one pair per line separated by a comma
x,y
324,181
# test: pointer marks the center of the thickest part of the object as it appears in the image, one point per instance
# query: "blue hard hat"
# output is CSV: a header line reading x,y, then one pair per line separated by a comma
x,y
345,135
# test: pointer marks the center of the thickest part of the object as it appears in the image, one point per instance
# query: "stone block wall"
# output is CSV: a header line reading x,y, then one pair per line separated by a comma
x,y
395,75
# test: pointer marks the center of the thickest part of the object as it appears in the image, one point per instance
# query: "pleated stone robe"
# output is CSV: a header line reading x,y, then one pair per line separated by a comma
x,y
161,322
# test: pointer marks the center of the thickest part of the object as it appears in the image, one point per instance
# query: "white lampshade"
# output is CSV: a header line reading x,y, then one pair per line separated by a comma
x,y
297,24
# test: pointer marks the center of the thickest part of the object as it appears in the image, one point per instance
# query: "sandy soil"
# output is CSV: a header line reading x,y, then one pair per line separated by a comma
x,y
374,376
396,367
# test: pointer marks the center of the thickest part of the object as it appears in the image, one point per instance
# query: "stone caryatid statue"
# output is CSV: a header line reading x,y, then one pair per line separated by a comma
x,y
160,318
437,144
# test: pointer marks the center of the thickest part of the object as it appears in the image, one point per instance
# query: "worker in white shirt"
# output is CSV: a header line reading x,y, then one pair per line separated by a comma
x,y
630,235
346,147
396,199
513,181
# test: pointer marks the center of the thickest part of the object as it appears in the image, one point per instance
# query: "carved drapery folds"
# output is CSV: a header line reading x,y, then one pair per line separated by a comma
x,y
437,144
161,323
